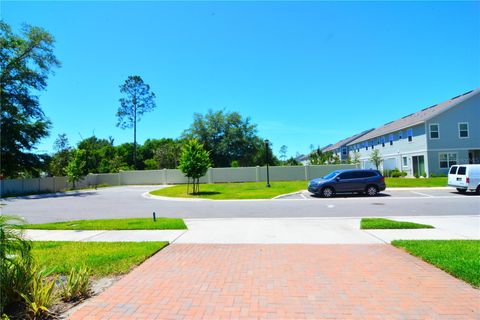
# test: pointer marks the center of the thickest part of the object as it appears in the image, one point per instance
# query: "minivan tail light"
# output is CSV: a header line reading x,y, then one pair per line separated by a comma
x,y
382,179
468,180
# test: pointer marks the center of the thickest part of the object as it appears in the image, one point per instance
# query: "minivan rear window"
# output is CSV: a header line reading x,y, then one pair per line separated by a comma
x,y
462,170
453,170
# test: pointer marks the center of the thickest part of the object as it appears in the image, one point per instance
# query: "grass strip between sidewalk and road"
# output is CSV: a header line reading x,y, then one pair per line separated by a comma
x,y
382,223
102,258
460,258
241,190
113,224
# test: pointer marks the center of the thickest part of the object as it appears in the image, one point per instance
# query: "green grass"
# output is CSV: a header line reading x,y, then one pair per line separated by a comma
x,y
459,258
244,190
381,223
414,182
102,258
113,224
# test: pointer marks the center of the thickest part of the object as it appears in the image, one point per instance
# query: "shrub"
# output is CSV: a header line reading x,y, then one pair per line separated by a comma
x,y
77,285
41,295
16,262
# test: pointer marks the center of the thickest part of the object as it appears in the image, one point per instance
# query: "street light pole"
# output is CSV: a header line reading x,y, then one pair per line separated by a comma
x,y
266,160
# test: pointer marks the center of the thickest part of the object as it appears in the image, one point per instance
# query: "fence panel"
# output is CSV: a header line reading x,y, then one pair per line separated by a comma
x,y
233,174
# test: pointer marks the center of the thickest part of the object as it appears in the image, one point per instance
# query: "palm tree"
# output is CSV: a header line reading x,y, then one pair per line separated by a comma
x,y
15,260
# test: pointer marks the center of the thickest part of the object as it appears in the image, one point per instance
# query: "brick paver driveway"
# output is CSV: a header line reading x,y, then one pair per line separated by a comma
x,y
195,281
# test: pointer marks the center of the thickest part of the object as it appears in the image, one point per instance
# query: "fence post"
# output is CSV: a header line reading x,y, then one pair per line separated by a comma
x,y
210,175
164,176
257,173
306,172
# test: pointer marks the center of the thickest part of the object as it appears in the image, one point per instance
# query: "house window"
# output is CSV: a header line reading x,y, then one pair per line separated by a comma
x,y
410,135
390,138
434,131
405,161
463,130
447,159
400,135
344,151
382,140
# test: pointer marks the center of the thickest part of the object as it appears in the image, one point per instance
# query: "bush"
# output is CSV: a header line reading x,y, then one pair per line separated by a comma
x,y
41,295
77,285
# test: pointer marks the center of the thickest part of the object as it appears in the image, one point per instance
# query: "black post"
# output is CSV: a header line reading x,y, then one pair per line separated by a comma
x,y
266,160
154,217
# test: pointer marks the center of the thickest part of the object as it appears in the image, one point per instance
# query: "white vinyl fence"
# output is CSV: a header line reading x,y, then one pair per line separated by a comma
x,y
166,176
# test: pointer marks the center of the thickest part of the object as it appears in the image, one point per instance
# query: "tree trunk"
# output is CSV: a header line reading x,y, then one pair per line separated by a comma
x,y
135,136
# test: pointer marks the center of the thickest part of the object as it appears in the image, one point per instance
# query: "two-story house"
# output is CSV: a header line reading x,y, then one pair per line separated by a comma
x,y
340,148
426,142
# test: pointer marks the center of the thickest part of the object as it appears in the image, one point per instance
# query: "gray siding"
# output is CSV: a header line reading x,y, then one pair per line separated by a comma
x,y
449,141
392,154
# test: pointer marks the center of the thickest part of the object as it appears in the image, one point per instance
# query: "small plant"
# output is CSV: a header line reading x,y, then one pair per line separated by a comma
x,y
376,158
15,262
77,285
41,295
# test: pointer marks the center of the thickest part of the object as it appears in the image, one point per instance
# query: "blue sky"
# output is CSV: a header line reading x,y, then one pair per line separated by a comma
x,y
305,72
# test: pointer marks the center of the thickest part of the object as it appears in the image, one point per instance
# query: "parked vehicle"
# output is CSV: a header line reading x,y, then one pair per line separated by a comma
x,y
370,182
465,177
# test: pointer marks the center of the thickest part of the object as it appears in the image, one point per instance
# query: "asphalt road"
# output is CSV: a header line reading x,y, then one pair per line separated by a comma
x,y
130,201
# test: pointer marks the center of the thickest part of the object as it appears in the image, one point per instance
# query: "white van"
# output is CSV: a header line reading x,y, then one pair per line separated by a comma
x,y
465,177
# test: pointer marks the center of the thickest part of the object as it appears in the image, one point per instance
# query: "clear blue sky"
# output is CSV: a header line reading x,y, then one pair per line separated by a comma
x,y
306,73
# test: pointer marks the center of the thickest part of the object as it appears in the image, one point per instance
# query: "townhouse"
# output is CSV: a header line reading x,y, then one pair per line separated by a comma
x,y
428,141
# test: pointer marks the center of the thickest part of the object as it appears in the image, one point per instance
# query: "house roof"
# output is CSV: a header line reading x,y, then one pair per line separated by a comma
x,y
346,141
417,117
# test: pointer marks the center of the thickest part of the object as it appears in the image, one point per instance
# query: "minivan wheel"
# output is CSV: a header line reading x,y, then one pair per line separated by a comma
x,y
328,192
371,191
478,190
461,190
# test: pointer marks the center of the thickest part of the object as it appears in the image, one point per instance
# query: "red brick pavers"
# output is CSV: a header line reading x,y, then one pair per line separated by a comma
x,y
202,281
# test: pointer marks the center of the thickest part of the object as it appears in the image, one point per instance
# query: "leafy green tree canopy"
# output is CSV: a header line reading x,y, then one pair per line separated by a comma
x,y
194,162
76,166
227,135
26,61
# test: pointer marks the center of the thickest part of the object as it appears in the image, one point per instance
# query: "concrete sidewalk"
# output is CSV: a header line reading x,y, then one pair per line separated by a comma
x,y
278,231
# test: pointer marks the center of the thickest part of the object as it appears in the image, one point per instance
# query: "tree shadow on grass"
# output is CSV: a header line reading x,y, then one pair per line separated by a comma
x,y
205,193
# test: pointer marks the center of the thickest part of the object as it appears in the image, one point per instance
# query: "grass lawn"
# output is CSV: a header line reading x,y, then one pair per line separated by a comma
x,y
103,258
244,190
459,258
113,224
414,182
381,223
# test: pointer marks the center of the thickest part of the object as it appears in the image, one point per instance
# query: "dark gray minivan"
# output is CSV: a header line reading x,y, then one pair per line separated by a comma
x,y
370,182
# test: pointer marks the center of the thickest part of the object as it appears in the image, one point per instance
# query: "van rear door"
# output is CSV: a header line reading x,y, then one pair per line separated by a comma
x,y
461,178
452,175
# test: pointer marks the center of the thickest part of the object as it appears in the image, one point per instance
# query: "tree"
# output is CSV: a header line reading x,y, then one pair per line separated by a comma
x,y
194,163
227,136
292,162
376,158
283,152
76,166
26,61
355,157
60,159
138,100
98,153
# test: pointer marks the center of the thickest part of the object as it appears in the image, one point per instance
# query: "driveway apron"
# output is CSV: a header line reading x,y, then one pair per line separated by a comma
x,y
284,281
